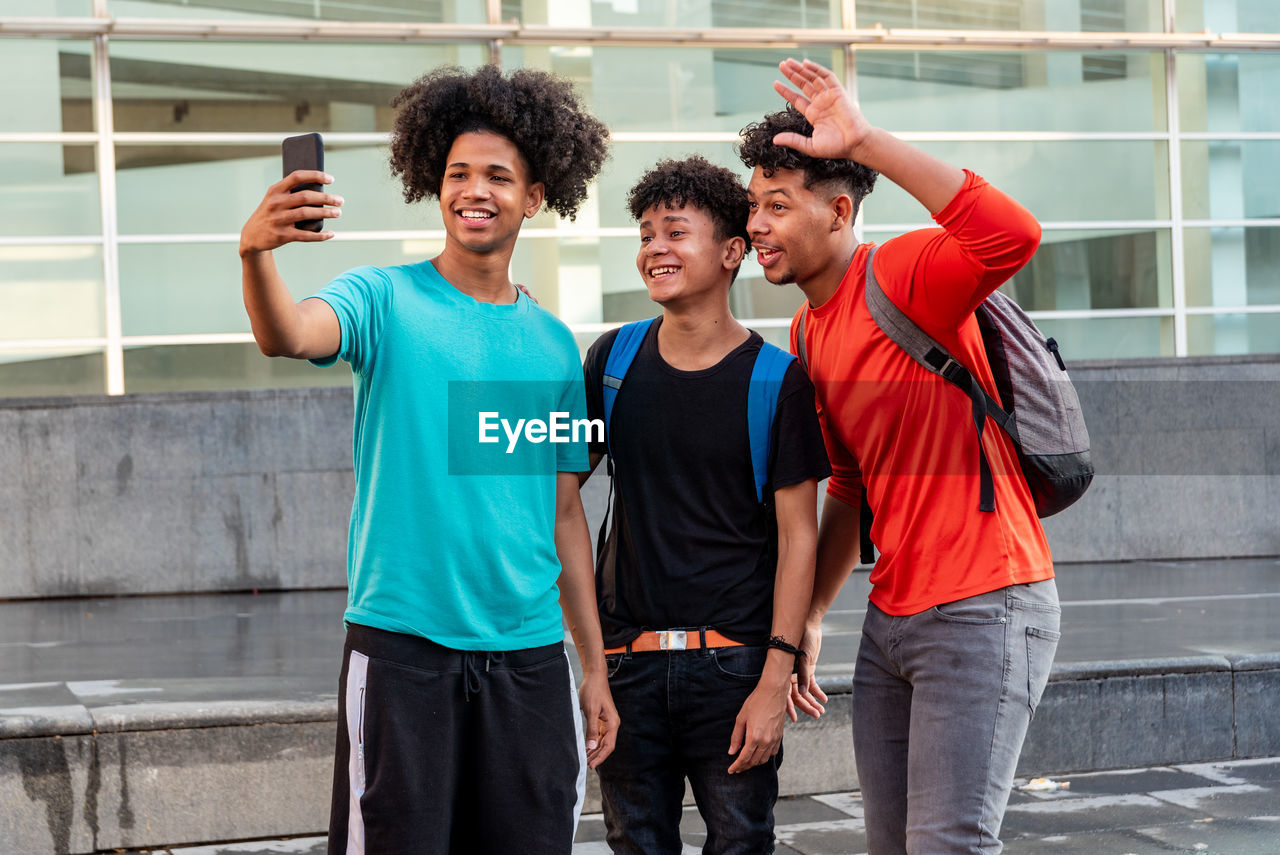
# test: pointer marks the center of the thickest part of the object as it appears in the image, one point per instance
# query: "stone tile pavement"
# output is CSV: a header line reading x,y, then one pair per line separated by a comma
x,y
1230,808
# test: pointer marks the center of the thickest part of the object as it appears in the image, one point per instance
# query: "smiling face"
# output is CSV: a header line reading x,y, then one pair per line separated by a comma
x,y
681,259
486,193
790,226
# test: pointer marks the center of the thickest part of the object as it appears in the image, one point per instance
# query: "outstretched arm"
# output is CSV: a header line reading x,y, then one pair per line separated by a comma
x,y
841,131
282,327
757,733
578,602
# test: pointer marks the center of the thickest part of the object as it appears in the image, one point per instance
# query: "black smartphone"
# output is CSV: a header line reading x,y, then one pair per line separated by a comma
x,y
304,152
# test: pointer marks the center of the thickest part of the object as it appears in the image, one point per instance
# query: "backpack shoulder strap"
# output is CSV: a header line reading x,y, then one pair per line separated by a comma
x,y
935,358
800,348
623,352
762,405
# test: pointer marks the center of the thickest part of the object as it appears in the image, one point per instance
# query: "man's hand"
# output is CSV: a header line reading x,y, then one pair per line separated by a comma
x,y
838,125
272,224
599,718
757,732
805,694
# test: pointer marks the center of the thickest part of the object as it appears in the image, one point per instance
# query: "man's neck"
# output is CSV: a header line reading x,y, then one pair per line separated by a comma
x,y
821,287
482,276
693,338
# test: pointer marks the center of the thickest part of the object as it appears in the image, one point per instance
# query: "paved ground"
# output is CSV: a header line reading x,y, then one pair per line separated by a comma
x,y
1211,809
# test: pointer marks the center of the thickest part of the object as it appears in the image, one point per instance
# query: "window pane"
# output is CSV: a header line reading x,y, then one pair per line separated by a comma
x,y
51,292
46,8
424,11
629,161
1233,334
670,89
1231,179
286,88
589,280
1110,338
1233,267
1096,270
1008,91
1040,15
40,373
148,176
44,84
195,288
179,368
662,13
1227,16
48,189
1229,92
1071,181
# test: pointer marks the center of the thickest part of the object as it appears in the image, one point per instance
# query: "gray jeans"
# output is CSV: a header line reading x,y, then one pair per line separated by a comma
x,y
941,704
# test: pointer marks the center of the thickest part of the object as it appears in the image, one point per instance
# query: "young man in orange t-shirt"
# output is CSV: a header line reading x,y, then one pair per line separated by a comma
x,y
963,620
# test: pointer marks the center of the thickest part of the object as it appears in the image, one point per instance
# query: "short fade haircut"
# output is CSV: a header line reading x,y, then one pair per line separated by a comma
x,y
843,176
563,146
697,182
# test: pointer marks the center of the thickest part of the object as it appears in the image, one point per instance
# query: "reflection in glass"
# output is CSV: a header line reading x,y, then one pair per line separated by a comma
x,y
242,174
52,92
40,373
195,288
660,13
670,89
1231,179
1109,338
1229,92
1011,91
51,292
1233,334
417,11
1233,267
1039,15
1070,180
1226,16
48,189
286,88
180,368
1096,270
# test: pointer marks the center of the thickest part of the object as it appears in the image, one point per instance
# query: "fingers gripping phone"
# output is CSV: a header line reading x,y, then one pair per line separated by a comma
x,y
304,152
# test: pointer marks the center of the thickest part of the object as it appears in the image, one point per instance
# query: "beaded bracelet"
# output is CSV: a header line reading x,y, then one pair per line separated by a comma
x,y
779,643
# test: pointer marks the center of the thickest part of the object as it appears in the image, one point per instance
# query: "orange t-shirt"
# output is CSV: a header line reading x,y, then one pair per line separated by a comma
x,y
907,434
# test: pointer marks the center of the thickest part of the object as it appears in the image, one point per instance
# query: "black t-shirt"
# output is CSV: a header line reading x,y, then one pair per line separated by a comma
x,y
689,545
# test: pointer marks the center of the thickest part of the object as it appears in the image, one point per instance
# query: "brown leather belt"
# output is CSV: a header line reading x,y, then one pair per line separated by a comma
x,y
674,639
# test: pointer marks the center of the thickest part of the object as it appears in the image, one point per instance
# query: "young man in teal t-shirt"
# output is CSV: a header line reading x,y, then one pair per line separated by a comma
x,y
467,537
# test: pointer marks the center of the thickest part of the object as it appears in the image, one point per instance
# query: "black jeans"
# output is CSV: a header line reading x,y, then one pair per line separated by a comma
x,y
678,710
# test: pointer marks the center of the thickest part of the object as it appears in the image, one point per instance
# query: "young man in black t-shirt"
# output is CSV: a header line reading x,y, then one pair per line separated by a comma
x,y
702,587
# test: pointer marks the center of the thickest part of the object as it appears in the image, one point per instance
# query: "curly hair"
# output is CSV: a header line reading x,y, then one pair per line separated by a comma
x,y
698,182
562,145
757,149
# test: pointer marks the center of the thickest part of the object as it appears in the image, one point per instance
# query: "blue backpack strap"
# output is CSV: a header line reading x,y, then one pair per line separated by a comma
x,y
621,354
762,404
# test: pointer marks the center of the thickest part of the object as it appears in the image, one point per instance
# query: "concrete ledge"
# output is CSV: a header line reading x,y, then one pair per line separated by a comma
x,y
154,773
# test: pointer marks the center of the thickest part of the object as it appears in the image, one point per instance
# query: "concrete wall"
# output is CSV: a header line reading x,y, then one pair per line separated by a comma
x,y
242,490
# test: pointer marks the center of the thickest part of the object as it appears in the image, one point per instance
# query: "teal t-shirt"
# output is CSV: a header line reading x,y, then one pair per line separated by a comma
x,y
453,523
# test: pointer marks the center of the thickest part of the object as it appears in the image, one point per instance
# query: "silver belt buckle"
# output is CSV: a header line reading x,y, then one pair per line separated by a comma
x,y
672,639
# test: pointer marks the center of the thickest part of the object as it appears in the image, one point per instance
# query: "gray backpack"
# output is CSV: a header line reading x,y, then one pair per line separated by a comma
x,y
1043,415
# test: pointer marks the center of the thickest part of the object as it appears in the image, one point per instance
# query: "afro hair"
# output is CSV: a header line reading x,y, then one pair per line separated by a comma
x,y
758,149
697,182
563,146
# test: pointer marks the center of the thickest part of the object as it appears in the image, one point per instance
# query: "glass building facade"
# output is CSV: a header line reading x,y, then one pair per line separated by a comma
x,y
136,136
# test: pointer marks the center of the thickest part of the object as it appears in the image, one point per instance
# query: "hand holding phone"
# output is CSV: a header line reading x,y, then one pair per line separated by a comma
x,y
304,152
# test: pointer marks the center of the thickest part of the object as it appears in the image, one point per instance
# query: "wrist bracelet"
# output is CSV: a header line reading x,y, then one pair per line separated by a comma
x,y
777,642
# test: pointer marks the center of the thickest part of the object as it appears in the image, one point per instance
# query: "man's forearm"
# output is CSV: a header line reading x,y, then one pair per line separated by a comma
x,y
577,583
273,314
